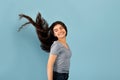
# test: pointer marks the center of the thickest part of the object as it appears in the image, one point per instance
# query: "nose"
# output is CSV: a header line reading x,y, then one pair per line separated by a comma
x,y
59,31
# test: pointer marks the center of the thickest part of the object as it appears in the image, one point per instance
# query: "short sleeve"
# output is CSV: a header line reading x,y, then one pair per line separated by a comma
x,y
55,49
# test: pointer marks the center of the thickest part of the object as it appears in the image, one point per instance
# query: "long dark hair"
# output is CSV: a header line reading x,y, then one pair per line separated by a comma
x,y
44,32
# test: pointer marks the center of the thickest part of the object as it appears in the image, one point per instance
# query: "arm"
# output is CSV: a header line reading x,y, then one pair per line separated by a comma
x,y
50,64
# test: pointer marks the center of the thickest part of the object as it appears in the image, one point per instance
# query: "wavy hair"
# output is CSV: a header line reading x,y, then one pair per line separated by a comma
x,y
44,32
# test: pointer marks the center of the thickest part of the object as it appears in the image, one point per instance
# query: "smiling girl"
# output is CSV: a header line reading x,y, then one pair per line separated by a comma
x,y
53,41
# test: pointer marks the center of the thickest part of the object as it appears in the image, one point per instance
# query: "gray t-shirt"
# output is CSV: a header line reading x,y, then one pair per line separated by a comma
x,y
62,62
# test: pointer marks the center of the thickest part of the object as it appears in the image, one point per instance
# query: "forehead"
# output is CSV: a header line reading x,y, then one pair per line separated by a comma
x,y
57,26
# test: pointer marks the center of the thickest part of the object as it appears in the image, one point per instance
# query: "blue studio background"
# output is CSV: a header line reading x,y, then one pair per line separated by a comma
x,y
94,38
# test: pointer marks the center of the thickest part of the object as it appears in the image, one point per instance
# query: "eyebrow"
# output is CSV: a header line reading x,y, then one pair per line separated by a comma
x,y
54,29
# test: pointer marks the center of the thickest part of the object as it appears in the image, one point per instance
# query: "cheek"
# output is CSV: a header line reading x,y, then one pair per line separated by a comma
x,y
55,34
64,31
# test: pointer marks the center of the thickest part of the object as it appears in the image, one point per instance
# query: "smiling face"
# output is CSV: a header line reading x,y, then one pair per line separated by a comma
x,y
59,31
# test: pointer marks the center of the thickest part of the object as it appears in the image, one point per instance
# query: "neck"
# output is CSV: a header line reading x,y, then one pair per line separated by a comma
x,y
63,40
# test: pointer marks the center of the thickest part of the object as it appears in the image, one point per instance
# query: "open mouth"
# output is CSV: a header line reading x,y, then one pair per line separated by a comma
x,y
62,33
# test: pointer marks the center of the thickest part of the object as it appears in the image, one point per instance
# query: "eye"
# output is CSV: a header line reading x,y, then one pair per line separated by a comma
x,y
61,28
55,30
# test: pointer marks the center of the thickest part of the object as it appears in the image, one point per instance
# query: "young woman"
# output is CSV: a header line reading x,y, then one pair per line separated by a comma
x,y
53,41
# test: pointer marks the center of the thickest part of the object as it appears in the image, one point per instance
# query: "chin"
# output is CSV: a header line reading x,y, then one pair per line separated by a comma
x,y
61,37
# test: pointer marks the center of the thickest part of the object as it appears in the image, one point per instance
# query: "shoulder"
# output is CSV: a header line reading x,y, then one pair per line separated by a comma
x,y
56,44
55,48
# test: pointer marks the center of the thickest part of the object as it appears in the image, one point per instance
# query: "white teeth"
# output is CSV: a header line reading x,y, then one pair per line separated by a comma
x,y
61,33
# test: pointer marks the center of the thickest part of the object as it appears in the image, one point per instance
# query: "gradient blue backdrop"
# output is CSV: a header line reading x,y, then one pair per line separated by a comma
x,y
94,38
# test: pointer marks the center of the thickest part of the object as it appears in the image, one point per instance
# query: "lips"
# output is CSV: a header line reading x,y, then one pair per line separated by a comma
x,y
60,34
